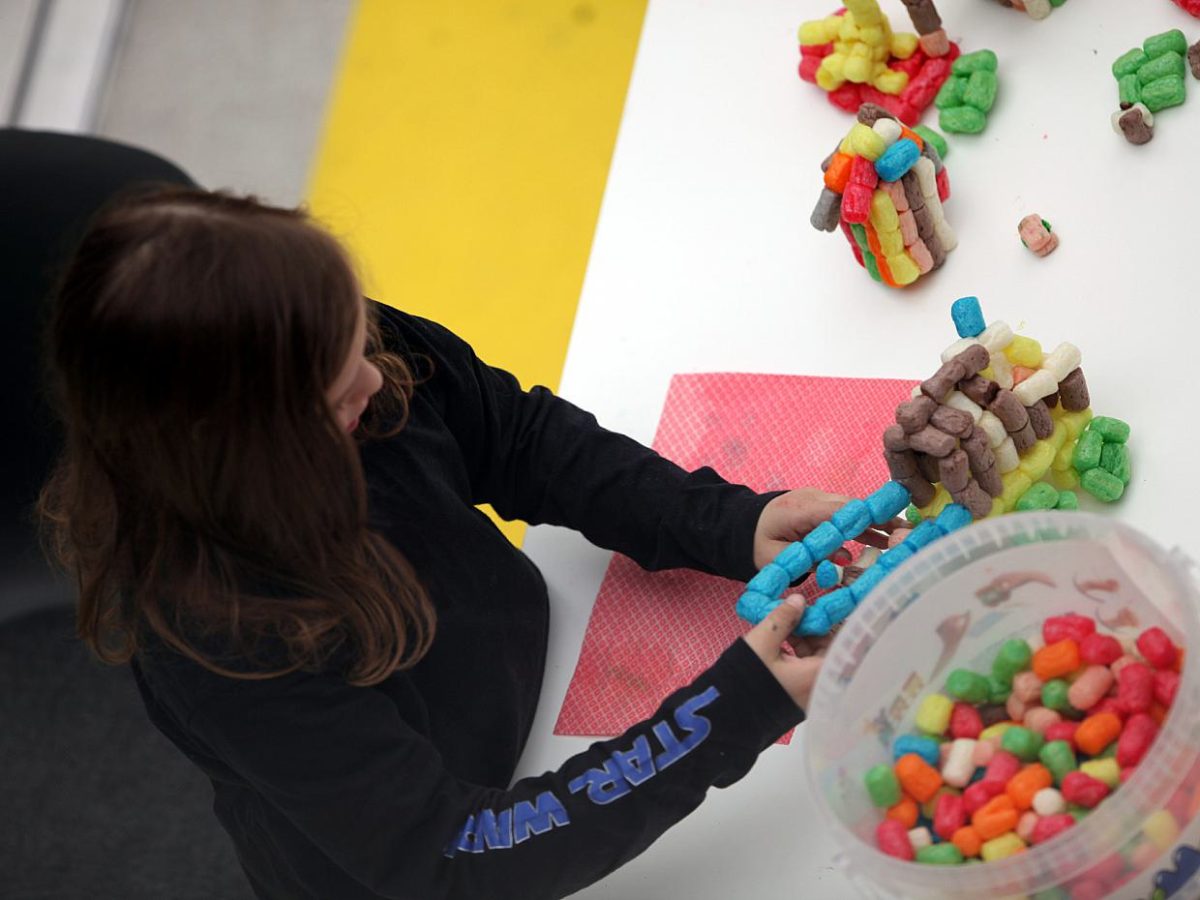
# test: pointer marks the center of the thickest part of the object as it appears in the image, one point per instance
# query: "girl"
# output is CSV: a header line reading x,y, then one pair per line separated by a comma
x,y
268,499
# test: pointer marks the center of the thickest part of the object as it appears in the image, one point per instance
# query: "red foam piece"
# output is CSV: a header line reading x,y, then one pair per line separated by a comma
x,y
848,97
943,184
808,68
1189,6
767,431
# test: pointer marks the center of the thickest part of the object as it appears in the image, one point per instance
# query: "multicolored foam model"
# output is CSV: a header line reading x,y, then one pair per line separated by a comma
x,y
1151,78
996,419
856,57
1039,9
884,187
765,589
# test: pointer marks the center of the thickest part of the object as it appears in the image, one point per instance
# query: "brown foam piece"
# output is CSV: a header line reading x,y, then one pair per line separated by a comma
x,y
1193,58
913,415
1073,392
1039,418
1025,438
936,250
912,192
935,43
955,471
1009,410
928,467
924,220
977,501
930,440
919,489
979,389
978,451
943,380
956,422
1051,401
894,438
974,359
924,15
870,113
1134,127
901,464
990,481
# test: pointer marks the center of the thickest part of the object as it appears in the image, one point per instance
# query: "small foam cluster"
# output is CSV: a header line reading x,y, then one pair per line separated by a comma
x,y
998,417
969,93
1039,9
856,57
884,187
763,592
1003,760
1151,78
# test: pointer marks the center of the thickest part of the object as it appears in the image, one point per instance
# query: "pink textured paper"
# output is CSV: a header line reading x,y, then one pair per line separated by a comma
x,y
651,633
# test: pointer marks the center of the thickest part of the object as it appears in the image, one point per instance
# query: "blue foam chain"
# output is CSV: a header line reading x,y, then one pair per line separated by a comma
x,y
763,593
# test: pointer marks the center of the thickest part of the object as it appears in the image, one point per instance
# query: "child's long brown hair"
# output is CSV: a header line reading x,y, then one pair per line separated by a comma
x,y
205,490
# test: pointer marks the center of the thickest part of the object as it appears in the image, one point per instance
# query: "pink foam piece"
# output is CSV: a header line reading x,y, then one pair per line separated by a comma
x,y
768,431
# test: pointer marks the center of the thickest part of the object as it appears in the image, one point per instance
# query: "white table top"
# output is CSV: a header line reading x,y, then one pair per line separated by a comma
x,y
704,260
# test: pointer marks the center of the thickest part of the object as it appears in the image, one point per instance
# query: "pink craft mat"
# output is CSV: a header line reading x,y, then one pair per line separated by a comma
x,y
770,432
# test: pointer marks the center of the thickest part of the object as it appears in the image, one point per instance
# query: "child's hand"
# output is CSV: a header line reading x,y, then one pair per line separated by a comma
x,y
789,517
797,674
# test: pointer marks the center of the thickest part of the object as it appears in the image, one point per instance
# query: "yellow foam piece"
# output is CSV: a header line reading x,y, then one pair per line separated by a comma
x,y
1024,351
1063,457
831,74
1064,479
874,36
865,12
819,31
1077,421
848,30
463,160
988,373
892,244
1161,829
904,44
890,81
1037,460
1105,770
995,731
1008,844
1015,484
904,270
883,211
933,509
1059,436
998,508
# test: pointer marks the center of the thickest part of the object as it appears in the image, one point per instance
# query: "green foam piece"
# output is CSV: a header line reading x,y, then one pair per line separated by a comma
x,y
1087,451
968,686
943,854
932,137
1059,758
882,785
913,515
951,92
1114,459
1102,485
871,266
1013,657
981,90
1129,89
998,689
1170,63
1057,3
1164,93
1129,62
1022,742
962,120
860,237
1158,44
1068,499
1113,430
974,62
1054,695
1040,496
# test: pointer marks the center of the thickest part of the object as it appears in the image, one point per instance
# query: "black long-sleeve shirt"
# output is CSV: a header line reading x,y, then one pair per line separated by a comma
x,y
402,790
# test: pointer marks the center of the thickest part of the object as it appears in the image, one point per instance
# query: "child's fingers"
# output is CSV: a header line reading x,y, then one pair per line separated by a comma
x,y
766,637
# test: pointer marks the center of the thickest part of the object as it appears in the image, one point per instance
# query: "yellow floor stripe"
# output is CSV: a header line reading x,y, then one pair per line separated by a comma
x,y
464,158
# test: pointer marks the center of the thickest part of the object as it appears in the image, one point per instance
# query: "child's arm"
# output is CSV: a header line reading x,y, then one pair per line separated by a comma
x,y
536,457
339,765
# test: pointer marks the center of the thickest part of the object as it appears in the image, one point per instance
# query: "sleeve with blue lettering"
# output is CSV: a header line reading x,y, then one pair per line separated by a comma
x,y
538,458
379,803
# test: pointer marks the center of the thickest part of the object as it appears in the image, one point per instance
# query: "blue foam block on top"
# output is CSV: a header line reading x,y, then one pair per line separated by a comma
x,y
771,580
954,517
795,559
888,502
827,574
924,747
852,519
814,624
837,605
897,160
753,606
823,540
968,317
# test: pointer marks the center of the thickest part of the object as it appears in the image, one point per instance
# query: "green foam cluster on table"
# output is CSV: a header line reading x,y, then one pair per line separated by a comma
x,y
969,94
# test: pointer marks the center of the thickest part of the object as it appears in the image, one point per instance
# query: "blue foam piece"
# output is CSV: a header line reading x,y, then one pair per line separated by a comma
x,y
837,605
852,519
824,540
814,624
794,559
827,574
978,774
968,317
770,580
924,534
897,160
889,501
954,517
867,581
894,557
752,606
925,747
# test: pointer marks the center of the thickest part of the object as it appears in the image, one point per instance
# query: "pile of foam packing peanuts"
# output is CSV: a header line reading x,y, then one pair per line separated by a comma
x,y
996,418
884,187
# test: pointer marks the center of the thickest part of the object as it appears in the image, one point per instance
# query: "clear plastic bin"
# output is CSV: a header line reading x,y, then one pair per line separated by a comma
x,y
952,606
